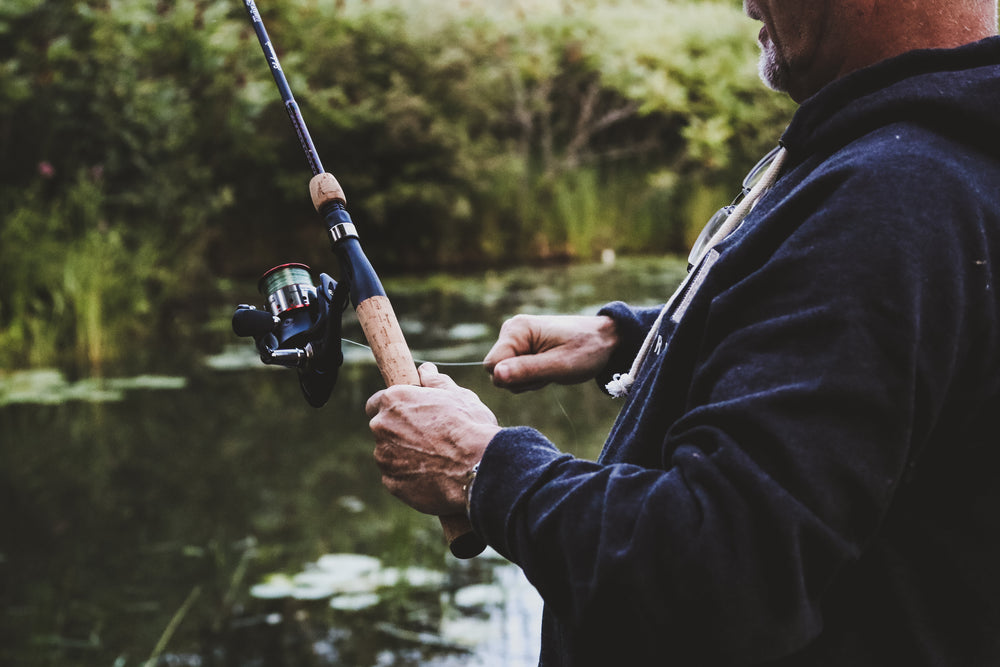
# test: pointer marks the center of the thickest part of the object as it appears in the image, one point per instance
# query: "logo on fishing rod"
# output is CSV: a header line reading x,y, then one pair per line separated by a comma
x,y
272,57
254,14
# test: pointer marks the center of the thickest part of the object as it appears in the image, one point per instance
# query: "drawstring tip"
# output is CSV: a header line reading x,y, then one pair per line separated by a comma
x,y
619,385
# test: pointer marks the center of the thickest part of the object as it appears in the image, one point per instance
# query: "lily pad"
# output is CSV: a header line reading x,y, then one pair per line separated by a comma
x,y
416,577
348,577
354,601
49,386
274,587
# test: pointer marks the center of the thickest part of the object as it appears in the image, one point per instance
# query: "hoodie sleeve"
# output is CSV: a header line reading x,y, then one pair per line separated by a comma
x,y
632,325
817,357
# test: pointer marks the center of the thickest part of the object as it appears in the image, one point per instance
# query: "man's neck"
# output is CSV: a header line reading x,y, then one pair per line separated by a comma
x,y
881,30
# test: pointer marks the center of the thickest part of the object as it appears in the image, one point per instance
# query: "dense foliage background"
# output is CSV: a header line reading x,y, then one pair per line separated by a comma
x,y
144,153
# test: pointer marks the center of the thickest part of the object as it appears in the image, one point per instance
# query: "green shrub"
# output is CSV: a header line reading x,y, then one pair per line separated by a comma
x,y
146,150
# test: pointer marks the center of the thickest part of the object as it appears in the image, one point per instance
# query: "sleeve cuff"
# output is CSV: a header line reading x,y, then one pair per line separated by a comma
x,y
516,461
632,325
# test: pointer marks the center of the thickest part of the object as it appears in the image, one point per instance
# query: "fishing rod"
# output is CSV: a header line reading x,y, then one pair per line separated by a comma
x,y
301,325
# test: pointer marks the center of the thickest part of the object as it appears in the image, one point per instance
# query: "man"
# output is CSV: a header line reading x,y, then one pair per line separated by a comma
x,y
803,471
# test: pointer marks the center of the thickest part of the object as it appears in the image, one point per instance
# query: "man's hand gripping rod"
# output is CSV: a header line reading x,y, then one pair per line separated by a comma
x,y
371,304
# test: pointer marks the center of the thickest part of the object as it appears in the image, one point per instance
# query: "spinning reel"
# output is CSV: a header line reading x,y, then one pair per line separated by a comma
x,y
299,328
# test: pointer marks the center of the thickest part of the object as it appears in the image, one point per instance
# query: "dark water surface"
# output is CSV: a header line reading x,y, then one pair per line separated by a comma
x,y
208,516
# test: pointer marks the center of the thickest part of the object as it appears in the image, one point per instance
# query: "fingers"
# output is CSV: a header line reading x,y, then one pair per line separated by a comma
x,y
374,404
519,374
533,351
427,438
430,377
514,340
501,350
512,361
436,392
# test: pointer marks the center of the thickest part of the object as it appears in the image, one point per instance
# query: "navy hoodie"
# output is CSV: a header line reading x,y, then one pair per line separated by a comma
x,y
805,472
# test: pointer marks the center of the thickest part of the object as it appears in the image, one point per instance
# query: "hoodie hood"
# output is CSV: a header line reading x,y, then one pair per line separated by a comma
x,y
931,88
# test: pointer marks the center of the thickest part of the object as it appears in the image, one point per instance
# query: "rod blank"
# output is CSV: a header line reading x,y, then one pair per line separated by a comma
x,y
291,106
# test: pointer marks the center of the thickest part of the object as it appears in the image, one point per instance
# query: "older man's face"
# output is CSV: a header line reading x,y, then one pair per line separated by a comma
x,y
794,43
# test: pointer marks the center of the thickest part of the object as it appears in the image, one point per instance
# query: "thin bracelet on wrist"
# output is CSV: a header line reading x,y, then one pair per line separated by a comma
x,y
467,489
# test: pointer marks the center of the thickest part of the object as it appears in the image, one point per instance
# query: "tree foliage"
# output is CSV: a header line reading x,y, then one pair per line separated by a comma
x,y
145,150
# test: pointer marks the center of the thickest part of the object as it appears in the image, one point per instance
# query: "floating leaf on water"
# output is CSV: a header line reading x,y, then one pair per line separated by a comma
x,y
235,357
337,573
306,589
148,382
354,601
346,576
348,564
37,386
317,584
274,587
49,386
417,577
93,390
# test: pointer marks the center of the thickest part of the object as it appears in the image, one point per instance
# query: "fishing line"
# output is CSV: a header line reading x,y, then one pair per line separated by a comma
x,y
455,364
421,361
569,420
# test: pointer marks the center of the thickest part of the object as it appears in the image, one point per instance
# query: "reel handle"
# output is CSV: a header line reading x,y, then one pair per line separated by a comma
x,y
384,335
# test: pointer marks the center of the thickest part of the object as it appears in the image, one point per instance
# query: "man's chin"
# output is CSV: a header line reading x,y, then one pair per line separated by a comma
x,y
772,73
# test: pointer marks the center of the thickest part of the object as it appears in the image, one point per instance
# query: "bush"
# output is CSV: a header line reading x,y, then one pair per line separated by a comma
x,y
146,150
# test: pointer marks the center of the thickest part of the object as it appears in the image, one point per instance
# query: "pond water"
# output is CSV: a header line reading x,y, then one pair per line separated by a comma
x,y
201,513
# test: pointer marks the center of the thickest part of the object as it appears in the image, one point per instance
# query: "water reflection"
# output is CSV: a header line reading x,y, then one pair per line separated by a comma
x,y
488,615
135,527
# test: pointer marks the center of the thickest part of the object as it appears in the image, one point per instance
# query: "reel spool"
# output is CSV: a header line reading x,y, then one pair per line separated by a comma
x,y
290,295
